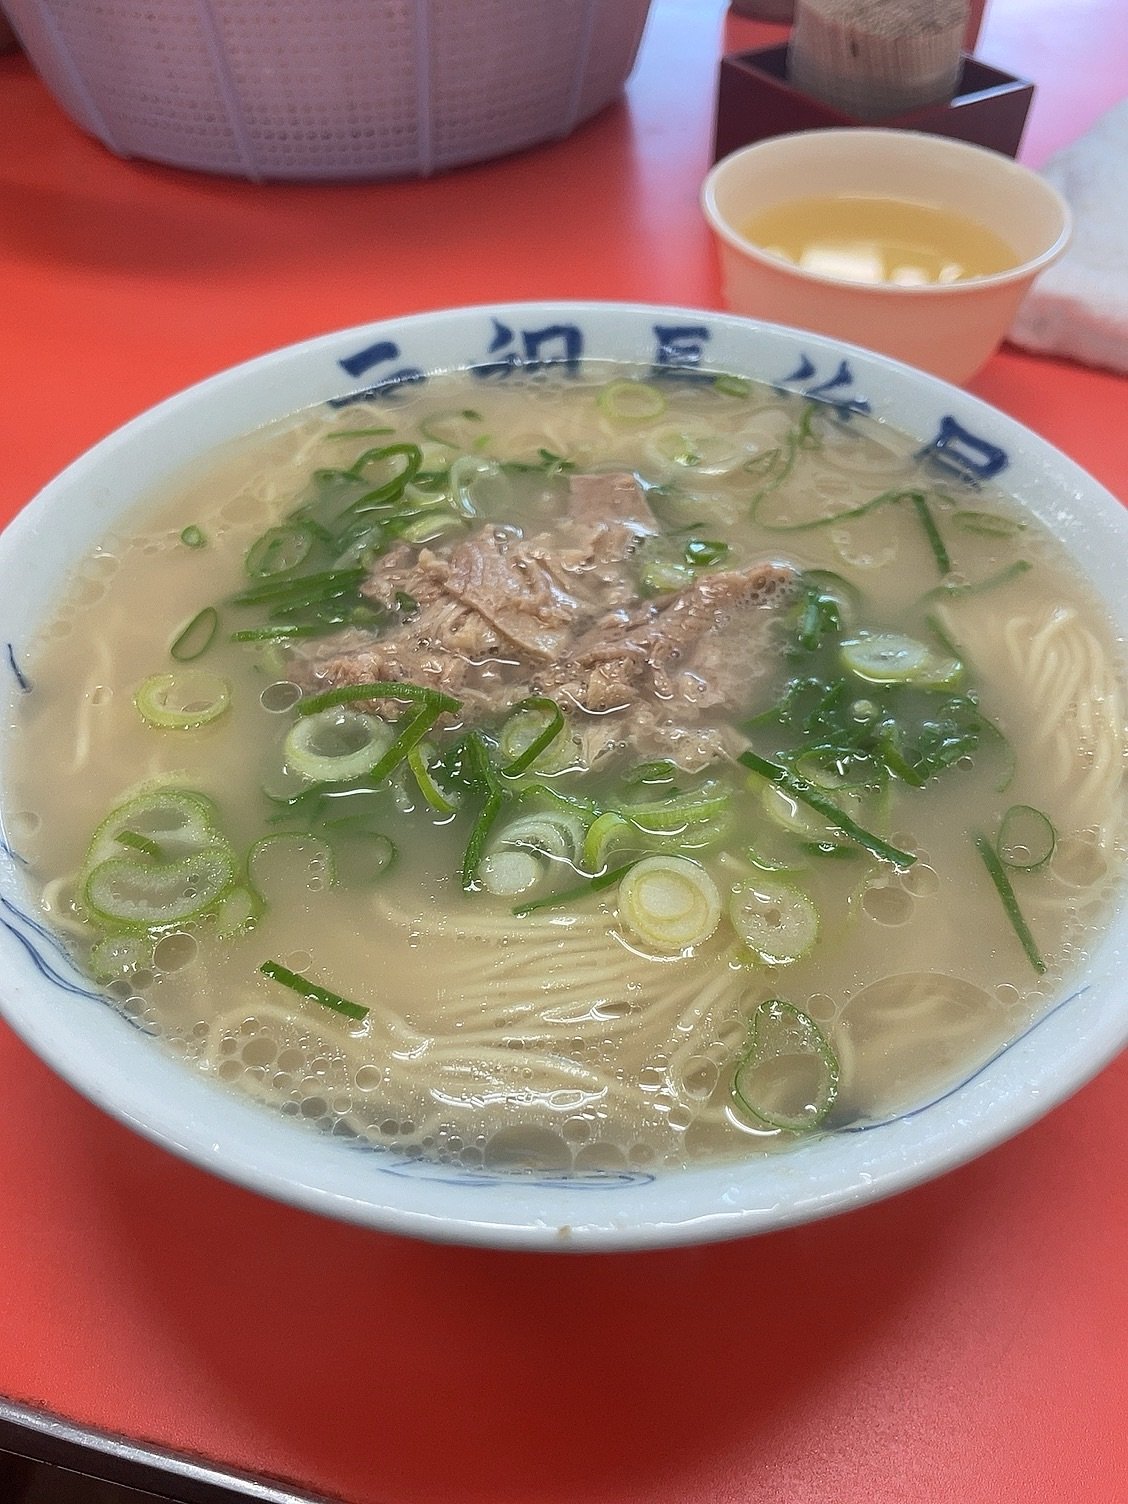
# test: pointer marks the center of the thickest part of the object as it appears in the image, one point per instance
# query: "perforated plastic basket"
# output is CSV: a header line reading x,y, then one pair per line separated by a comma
x,y
329,88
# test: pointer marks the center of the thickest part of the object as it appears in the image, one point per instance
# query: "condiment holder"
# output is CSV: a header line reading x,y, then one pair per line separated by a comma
x,y
756,99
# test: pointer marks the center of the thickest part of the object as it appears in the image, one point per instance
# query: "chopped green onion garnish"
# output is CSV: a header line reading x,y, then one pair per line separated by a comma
x,y
732,386
279,973
410,731
193,641
988,522
182,701
774,919
336,745
601,835
193,537
798,1098
669,903
420,764
359,433
573,894
279,551
932,533
140,894
631,401
953,589
1026,838
377,689
304,590
998,875
800,790
554,725
701,552
137,842
480,775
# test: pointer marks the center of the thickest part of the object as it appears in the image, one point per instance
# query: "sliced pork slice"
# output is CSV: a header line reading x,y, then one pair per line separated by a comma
x,y
500,617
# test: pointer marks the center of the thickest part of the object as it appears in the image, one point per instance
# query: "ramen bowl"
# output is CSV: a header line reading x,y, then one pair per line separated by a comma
x,y
949,329
97,1048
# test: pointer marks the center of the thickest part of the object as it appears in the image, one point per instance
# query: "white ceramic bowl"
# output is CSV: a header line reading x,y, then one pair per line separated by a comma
x,y
949,330
93,1046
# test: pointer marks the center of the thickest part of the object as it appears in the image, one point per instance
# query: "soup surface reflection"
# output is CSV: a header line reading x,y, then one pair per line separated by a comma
x,y
577,774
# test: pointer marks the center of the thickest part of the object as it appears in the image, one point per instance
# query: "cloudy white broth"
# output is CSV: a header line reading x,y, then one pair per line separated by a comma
x,y
576,773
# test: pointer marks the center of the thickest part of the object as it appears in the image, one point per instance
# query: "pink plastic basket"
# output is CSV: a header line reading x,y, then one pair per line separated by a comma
x,y
329,88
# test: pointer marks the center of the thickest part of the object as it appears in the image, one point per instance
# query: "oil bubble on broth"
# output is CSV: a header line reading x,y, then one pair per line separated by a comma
x,y
578,775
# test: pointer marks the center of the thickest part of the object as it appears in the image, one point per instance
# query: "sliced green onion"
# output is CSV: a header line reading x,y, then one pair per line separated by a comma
x,y
419,759
557,834
460,430
1026,838
514,741
931,532
505,874
289,861
669,902
194,640
989,523
480,775
953,589
360,856
464,472
998,875
802,791
661,575
394,486
282,974
574,804
137,842
700,553
788,1078
662,770
336,744
140,894
173,821
603,833
429,526
732,386
182,701
845,595
410,731
575,894
675,814
115,955
891,658
281,633
798,819
301,591
280,550
631,401
238,911
193,537
698,448
774,919
377,689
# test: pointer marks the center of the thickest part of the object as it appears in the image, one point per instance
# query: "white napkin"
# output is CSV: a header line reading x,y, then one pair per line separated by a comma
x,y
1079,307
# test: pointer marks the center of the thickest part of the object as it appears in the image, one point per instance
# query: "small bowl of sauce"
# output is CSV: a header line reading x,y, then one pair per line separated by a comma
x,y
917,246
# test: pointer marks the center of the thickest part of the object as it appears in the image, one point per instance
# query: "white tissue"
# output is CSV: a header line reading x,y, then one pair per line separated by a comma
x,y
1079,307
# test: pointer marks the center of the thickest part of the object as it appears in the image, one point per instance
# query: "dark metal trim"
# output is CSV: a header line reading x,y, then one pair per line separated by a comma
x,y
52,1441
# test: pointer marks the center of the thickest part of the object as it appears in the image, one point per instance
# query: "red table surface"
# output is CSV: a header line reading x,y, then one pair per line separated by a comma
x,y
966,1341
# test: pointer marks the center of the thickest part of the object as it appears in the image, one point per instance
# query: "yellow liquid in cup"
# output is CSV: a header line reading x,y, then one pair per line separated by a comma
x,y
880,240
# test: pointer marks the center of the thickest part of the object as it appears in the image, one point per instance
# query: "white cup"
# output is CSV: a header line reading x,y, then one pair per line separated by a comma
x,y
949,329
